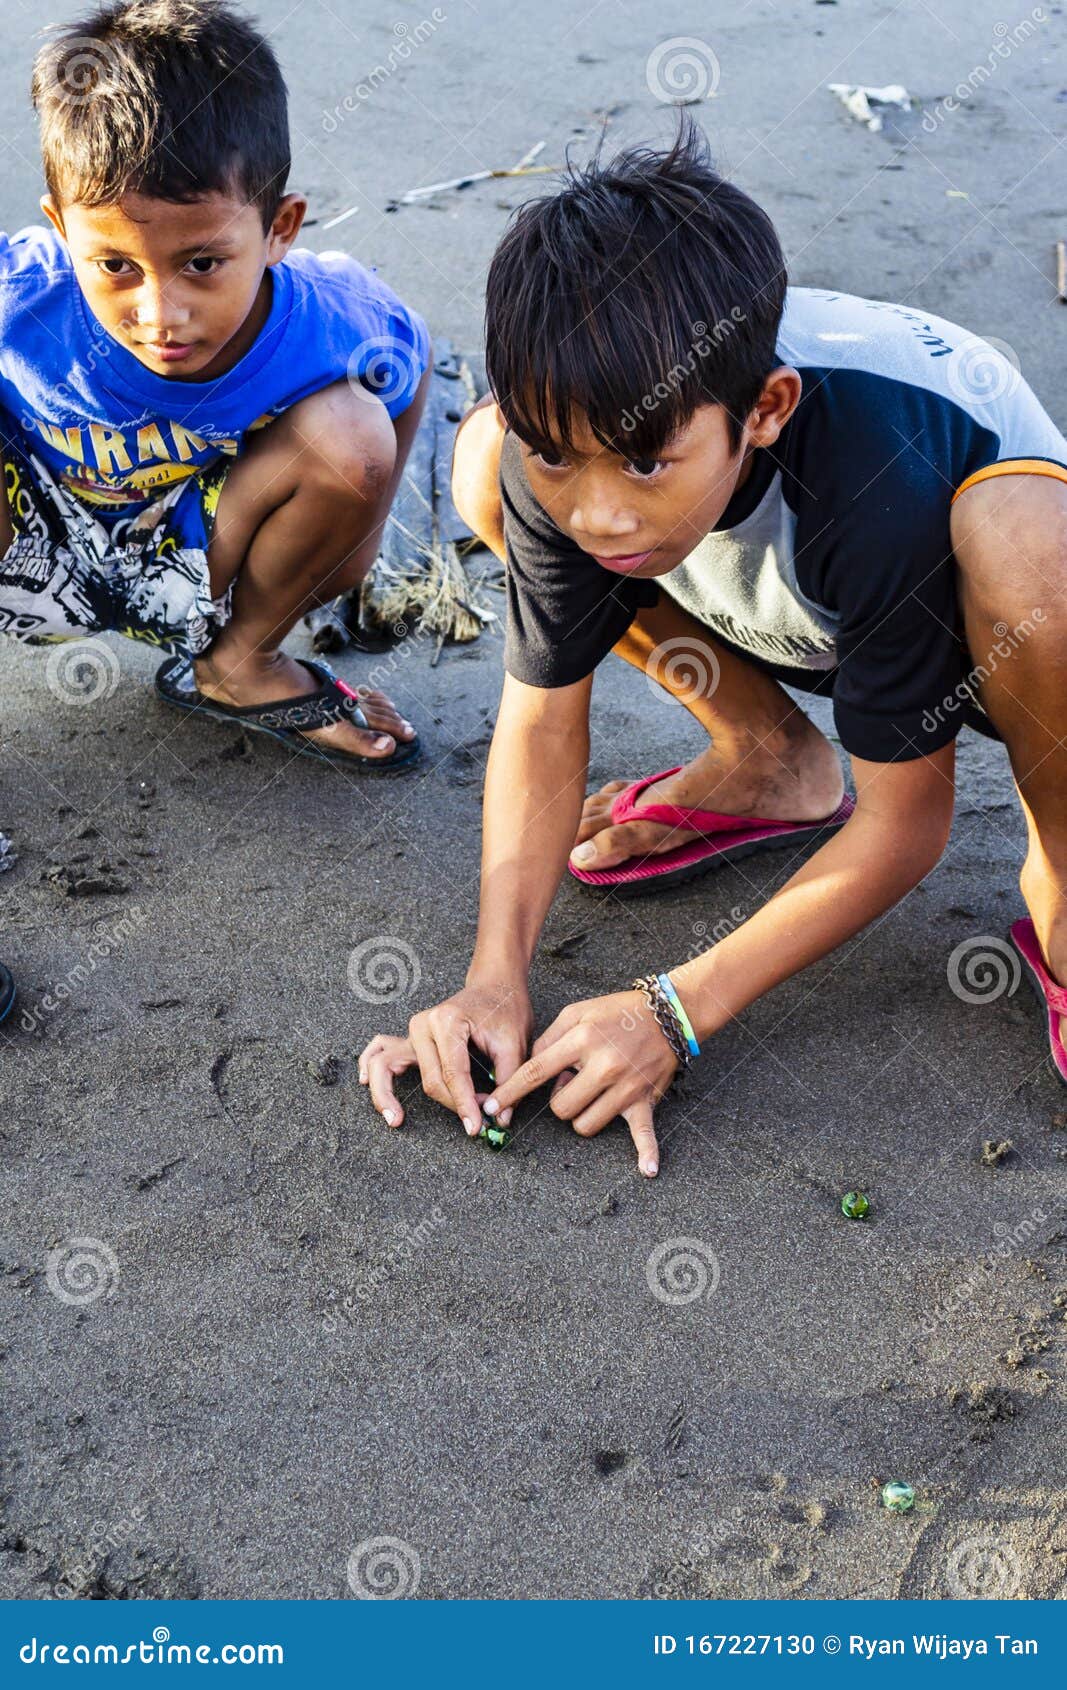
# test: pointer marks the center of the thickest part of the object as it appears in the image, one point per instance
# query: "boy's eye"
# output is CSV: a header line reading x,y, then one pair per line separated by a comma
x,y
202,265
644,466
551,460
114,266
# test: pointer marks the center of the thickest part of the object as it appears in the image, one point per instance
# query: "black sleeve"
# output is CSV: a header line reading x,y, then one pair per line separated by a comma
x,y
564,612
872,490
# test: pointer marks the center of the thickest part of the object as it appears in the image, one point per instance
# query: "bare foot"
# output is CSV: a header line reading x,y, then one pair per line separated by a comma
x,y
267,680
803,784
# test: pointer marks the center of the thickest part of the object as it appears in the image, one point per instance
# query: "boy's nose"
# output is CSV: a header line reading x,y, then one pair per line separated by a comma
x,y
157,313
601,521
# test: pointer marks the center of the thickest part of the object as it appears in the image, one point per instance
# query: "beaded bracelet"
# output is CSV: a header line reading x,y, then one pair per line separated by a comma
x,y
671,1018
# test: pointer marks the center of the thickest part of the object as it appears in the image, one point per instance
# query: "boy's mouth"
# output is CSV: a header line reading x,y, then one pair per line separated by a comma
x,y
170,351
622,563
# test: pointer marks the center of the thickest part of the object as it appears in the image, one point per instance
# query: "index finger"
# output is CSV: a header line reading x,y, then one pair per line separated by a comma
x,y
533,1073
639,1120
563,1023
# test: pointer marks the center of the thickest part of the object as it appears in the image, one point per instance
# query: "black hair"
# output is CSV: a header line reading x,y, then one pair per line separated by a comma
x,y
646,286
173,99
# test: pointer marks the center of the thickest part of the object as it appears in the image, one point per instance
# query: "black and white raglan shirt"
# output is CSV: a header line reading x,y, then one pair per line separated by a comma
x,y
833,563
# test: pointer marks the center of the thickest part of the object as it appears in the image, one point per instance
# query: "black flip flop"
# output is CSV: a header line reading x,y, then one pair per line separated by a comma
x,y
284,719
7,991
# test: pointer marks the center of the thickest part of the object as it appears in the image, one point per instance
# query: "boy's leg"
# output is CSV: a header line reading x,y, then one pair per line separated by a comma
x,y
765,757
299,521
1009,536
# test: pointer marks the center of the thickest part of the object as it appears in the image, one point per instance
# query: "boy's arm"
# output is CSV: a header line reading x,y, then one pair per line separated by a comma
x,y
892,840
894,837
535,783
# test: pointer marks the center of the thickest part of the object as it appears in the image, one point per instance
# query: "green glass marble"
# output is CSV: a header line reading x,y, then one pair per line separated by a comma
x,y
897,1496
855,1205
496,1137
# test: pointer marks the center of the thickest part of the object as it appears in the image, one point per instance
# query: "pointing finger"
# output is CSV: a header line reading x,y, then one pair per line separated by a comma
x,y
639,1120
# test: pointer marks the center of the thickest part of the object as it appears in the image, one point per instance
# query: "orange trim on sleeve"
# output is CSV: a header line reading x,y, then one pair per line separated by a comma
x,y
1012,466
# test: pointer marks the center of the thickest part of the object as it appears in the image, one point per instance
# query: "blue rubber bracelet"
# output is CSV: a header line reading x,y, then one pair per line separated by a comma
x,y
683,1020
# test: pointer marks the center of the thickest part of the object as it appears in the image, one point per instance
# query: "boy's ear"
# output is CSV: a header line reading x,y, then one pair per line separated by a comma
x,y
53,214
775,406
286,226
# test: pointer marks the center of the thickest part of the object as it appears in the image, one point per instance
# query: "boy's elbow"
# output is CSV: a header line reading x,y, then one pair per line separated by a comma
x,y
921,842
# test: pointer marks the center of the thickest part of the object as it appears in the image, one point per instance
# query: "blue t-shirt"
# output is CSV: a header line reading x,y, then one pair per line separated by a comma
x,y
118,434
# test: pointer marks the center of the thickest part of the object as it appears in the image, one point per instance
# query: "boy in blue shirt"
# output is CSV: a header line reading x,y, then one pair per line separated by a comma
x,y
201,429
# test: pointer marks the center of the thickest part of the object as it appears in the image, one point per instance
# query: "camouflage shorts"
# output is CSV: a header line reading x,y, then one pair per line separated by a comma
x,y
67,574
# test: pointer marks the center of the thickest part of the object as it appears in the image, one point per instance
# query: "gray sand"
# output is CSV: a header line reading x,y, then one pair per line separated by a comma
x,y
318,1333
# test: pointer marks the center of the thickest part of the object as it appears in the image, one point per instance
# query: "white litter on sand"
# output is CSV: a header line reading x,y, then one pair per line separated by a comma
x,y
860,102
8,855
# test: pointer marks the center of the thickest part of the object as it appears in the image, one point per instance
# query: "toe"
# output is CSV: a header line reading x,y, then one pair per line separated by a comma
x,y
605,849
371,743
355,742
383,714
614,845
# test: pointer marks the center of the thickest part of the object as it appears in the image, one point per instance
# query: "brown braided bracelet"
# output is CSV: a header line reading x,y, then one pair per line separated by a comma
x,y
666,1020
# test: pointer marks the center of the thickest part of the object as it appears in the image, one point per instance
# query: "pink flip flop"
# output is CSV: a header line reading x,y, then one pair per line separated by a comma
x,y
726,838
1052,996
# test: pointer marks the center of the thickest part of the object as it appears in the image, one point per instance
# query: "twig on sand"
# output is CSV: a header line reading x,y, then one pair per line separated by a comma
x,y
524,167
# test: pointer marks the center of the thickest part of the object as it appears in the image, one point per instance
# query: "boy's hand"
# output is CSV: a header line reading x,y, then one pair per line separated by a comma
x,y
608,1058
499,1021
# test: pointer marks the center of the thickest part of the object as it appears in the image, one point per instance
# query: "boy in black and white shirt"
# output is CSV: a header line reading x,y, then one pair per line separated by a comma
x,y
732,485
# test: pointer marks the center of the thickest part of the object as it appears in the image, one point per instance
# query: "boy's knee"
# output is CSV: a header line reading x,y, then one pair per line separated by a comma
x,y
346,440
476,475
